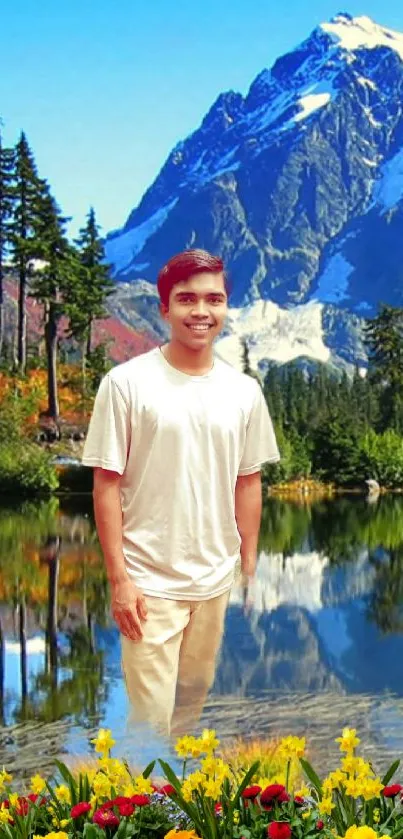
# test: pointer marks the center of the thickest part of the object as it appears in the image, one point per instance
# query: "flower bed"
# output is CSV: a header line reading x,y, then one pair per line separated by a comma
x,y
214,800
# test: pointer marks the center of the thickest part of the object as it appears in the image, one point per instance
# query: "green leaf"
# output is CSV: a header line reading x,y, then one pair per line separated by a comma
x,y
311,774
149,769
391,771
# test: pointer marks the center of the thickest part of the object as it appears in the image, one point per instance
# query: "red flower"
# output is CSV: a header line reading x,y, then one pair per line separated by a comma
x,y
218,808
167,789
273,793
390,792
299,800
126,809
279,830
140,800
250,793
33,797
320,825
79,809
22,806
105,818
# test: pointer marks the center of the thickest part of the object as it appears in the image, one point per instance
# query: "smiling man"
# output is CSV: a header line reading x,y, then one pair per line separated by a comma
x,y
176,439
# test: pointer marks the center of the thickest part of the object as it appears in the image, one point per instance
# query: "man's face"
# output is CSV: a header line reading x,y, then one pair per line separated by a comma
x,y
197,310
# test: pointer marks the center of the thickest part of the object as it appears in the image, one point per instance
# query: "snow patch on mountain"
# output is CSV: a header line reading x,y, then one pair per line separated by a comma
x,y
123,248
312,99
361,32
273,333
333,282
388,191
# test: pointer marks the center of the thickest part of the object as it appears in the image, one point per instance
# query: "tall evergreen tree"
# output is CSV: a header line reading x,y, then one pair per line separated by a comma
x,y
26,191
52,283
384,339
93,287
6,204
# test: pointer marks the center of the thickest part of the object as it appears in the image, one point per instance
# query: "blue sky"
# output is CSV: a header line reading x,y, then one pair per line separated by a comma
x,y
105,88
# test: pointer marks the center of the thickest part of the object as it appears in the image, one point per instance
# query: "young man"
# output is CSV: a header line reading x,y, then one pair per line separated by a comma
x,y
177,439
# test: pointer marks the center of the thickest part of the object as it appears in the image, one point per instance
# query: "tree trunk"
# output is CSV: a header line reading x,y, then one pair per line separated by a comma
x,y
89,340
51,624
51,358
23,654
22,320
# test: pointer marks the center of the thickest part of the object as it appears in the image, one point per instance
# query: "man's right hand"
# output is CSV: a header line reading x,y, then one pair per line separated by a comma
x,y
128,608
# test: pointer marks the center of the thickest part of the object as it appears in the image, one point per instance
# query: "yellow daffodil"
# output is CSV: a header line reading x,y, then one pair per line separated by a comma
x,y
187,791
209,740
336,778
292,747
215,767
348,740
62,794
212,788
101,786
353,787
5,777
306,814
376,815
325,806
143,786
103,742
38,784
188,746
4,814
302,792
372,788
129,790
195,779
13,799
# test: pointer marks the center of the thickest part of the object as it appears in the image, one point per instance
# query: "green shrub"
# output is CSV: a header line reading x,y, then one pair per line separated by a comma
x,y
25,469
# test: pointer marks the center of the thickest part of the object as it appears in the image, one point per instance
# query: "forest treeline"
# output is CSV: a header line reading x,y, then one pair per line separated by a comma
x,y
330,426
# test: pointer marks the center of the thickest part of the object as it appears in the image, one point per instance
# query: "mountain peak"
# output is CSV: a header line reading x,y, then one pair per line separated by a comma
x,y
353,33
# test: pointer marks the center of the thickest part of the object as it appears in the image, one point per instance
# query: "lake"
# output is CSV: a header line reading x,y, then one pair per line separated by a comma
x,y
322,646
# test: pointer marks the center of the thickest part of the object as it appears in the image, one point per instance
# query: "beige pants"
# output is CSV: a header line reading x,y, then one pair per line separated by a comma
x,y
169,672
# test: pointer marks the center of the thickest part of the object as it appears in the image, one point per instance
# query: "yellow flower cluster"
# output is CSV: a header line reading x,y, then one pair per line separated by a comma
x,y
207,780
355,776
38,784
5,778
292,747
192,747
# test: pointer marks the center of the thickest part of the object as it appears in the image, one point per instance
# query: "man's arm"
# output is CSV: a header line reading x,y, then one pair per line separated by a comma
x,y
127,601
248,513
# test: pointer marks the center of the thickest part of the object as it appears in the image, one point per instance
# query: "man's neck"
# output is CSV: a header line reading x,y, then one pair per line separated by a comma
x,y
194,364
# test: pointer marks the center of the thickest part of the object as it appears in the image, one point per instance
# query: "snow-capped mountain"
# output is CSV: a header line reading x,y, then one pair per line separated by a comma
x,y
299,187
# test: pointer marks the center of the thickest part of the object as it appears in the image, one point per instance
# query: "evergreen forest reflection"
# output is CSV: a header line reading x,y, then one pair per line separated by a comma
x,y
328,613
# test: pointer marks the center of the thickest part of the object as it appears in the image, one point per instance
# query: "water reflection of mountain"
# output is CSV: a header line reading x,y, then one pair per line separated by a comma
x,y
309,630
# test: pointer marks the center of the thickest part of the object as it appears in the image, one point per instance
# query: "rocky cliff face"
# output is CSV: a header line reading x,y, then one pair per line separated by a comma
x,y
298,186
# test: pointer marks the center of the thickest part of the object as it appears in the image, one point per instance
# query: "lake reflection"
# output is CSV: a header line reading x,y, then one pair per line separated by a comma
x,y
325,631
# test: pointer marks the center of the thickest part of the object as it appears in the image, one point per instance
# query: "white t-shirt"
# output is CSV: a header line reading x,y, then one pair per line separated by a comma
x,y
179,442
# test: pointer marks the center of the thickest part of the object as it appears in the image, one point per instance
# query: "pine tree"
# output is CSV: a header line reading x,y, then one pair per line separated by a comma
x,y
6,205
26,191
93,287
384,339
52,283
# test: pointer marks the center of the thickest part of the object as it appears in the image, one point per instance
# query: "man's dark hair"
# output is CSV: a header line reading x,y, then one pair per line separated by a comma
x,y
185,265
